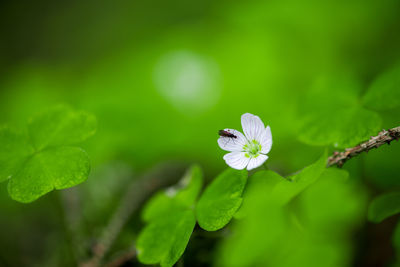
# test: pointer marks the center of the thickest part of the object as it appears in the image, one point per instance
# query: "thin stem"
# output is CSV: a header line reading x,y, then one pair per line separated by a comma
x,y
265,165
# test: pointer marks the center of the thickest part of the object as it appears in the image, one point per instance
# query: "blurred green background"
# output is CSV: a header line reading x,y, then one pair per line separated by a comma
x,y
163,77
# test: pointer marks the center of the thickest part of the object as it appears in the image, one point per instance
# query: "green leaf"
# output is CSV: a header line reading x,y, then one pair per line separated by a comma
x,y
342,127
15,149
61,126
333,114
311,231
181,196
280,190
255,235
333,201
301,180
283,190
384,206
171,220
384,92
43,160
260,183
188,189
221,200
164,240
55,168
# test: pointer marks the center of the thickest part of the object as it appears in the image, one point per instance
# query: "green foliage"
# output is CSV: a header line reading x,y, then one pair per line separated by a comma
x,y
263,180
254,235
61,126
15,149
163,96
301,180
312,229
164,240
384,92
340,121
43,159
216,207
221,199
334,200
170,221
281,190
181,196
325,215
384,206
342,128
53,168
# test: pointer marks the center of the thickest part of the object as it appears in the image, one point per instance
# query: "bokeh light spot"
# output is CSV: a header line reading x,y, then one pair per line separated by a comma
x,y
189,81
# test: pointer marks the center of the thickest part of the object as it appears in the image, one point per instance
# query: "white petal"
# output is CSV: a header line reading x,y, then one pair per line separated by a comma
x,y
252,126
232,144
266,141
256,162
236,160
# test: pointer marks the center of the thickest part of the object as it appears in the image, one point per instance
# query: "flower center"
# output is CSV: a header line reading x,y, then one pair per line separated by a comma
x,y
252,148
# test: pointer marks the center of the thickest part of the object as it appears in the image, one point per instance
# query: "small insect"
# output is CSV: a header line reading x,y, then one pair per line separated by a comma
x,y
224,133
229,136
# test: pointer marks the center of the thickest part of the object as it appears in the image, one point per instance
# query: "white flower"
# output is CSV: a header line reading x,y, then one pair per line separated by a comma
x,y
248,150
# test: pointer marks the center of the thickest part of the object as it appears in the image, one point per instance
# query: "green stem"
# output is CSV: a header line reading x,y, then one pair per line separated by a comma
x,y
265,166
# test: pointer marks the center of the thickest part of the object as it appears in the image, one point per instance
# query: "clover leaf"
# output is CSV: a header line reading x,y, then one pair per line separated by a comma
x,y
44,158
181,196
277,189
337,118
170,221
221,199
164,241
384,92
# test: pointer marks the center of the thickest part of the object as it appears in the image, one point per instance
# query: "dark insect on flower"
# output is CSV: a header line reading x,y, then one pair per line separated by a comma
x,y
224,133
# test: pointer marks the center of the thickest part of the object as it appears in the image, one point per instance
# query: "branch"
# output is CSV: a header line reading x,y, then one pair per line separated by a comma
x,y
384,137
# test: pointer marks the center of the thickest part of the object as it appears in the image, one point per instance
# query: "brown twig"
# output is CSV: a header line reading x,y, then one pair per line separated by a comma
x,y
138,191
384,137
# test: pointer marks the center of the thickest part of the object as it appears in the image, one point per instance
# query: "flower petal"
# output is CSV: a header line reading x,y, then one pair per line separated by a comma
x,y
252,126
256,162
232,144
266,141
236,160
